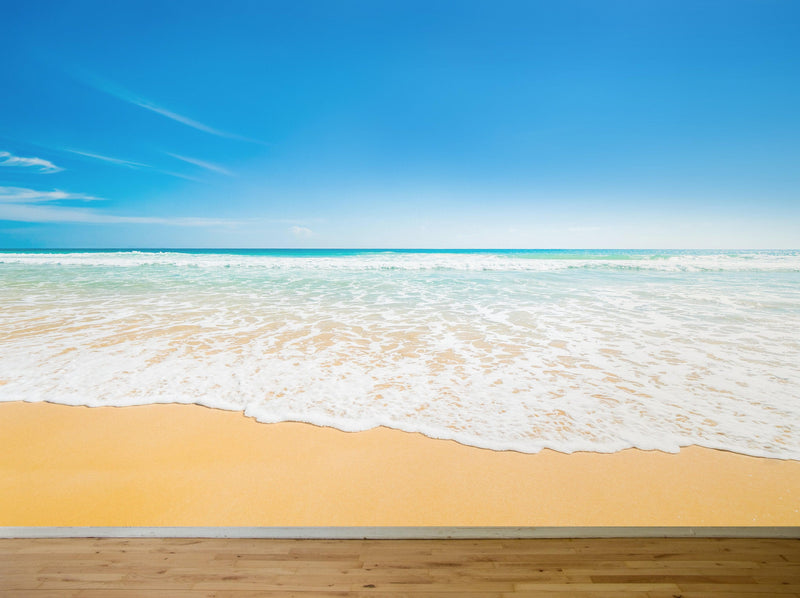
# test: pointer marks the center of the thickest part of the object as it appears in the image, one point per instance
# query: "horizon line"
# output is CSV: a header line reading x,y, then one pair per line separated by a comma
x,y
485,249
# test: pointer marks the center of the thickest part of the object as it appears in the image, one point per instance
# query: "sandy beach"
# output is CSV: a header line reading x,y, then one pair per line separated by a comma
x,y
186,465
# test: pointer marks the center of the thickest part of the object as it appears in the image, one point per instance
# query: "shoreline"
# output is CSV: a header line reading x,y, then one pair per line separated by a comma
x,y
188,465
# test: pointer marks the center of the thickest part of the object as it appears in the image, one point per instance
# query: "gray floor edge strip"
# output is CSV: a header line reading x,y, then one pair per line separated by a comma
x,y
395,533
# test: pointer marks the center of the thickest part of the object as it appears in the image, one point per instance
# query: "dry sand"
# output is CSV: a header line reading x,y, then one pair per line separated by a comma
x,y
185,465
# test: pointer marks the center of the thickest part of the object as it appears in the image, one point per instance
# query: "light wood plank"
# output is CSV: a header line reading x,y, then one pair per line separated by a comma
x,y
245,568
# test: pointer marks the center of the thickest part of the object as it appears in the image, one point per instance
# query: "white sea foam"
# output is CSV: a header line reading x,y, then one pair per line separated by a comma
x,y
787,261
505,351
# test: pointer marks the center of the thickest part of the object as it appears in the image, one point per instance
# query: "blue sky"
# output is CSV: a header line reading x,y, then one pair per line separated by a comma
x,y
400,124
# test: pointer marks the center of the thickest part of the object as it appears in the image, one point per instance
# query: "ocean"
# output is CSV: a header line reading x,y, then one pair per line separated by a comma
x,y
573,350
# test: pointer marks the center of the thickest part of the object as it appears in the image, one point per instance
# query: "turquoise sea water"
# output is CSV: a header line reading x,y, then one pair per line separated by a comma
x,y
569,349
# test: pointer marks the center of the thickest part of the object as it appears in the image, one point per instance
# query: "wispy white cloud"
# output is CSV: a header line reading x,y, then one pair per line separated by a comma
x,y
24,195
47,213
19,204
127,96
118,161
582,229
202,164
301,232
130,164
40,164
179,175
185,120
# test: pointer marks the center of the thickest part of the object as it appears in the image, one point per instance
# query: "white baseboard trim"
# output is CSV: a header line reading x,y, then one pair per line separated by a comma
x,y
399,533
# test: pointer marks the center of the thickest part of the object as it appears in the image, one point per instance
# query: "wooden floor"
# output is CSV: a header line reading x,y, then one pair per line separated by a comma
x,y
240,568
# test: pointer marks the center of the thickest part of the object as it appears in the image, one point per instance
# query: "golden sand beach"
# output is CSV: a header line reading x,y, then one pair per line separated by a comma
x,y
186,465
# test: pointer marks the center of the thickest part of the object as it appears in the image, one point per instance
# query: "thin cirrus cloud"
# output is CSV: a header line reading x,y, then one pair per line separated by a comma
x,y
20,204
126,96
201,164
130,164
40,164
118,161
45,213
23,195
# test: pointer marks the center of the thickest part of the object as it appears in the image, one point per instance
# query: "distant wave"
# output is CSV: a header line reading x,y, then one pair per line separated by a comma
x,y
788,261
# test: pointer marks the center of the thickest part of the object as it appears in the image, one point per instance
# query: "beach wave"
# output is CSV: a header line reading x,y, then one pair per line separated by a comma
x,y
502,351
506,261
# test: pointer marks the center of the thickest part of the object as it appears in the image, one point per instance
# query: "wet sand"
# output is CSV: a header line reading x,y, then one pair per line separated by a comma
x,y
185,465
